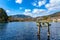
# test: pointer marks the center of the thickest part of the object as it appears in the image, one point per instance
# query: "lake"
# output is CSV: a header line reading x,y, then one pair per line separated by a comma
x,y
28,31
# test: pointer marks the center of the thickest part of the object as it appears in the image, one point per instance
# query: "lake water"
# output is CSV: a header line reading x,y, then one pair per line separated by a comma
x,y
27,31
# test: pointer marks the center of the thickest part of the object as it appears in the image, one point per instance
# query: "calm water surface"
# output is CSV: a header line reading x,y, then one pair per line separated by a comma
x,y
27,31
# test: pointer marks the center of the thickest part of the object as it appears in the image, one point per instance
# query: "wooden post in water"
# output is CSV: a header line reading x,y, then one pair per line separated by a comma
x,y
48,32
39,29
38,24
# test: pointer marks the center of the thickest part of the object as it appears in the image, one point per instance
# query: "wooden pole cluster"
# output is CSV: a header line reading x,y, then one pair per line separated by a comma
x,y
39,25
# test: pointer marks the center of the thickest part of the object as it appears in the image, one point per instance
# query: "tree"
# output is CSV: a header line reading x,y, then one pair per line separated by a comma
x,y
45,17
3,15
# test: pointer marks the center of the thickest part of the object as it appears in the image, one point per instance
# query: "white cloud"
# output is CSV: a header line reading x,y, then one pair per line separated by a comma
x,y
54,4
39,3
52,7
34,4
7,11
27,10
18,1
35,12
38,11
54,1
29,14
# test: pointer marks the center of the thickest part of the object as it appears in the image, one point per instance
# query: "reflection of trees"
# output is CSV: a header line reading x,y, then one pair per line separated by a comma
x,y
2,29
3,26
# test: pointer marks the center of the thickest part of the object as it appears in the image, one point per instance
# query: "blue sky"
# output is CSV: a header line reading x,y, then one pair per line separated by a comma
x,y
32,8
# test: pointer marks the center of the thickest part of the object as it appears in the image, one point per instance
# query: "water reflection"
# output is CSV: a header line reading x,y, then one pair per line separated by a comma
x,y
38,34
3,27
38,37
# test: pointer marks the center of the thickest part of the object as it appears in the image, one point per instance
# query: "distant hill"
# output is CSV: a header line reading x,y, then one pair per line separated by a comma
x,y
29,18
55,14
21,16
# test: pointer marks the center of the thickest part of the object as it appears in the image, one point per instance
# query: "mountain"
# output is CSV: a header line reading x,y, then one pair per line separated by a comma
x,y
29,18
21,16
55,14
52,16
